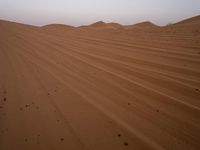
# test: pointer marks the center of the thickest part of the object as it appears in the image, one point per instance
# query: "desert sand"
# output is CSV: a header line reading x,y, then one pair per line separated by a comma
x,y
100,87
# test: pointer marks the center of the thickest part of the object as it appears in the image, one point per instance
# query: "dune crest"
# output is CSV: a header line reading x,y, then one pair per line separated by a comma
x,y
145,25
193,20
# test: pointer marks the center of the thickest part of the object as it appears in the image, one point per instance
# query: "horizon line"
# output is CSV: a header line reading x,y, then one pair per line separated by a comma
x,y
106,22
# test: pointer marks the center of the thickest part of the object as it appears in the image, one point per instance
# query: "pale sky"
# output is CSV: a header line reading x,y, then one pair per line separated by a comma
x,y
79,12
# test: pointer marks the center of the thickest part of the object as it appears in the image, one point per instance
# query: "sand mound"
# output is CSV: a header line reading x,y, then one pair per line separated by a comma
x,y
145,24
98,24
57,28
103,25
142,25
190,26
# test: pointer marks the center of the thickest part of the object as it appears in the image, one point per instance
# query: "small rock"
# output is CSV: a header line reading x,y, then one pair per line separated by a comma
x,y
126,143
27,105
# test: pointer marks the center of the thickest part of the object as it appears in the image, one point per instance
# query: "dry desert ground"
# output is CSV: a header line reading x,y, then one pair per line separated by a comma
x,y
100,87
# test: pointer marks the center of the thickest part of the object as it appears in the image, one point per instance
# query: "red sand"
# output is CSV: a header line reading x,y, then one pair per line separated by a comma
x,y
91,88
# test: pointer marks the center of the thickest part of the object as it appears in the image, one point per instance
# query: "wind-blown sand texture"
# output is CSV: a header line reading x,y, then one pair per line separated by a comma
x,y
100,87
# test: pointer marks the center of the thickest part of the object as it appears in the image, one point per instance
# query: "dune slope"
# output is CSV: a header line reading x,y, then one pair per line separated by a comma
x,y
81,89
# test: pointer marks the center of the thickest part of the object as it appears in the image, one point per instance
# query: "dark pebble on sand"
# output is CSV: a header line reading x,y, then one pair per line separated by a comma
x,y
126,143
27,105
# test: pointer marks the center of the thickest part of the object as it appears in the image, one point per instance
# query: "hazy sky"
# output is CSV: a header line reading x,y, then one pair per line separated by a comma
x,y
77,12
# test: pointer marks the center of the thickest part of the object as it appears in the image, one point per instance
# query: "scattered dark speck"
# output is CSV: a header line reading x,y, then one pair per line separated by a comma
x,y
27,105
126,143
119,135
4,99
58,120
157,110
38,135
48,94
33,103
26,140
1,107
62,139
196,89
37,107
129,103
20,109
55,90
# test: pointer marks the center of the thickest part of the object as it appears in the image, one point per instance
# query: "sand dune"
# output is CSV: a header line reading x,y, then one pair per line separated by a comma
x,y
142,25
79,89
57,27
193,20
102,25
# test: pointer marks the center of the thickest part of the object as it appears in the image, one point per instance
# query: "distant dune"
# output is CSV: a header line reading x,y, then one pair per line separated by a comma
x,y
142,25
57,26
102,25
103,86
